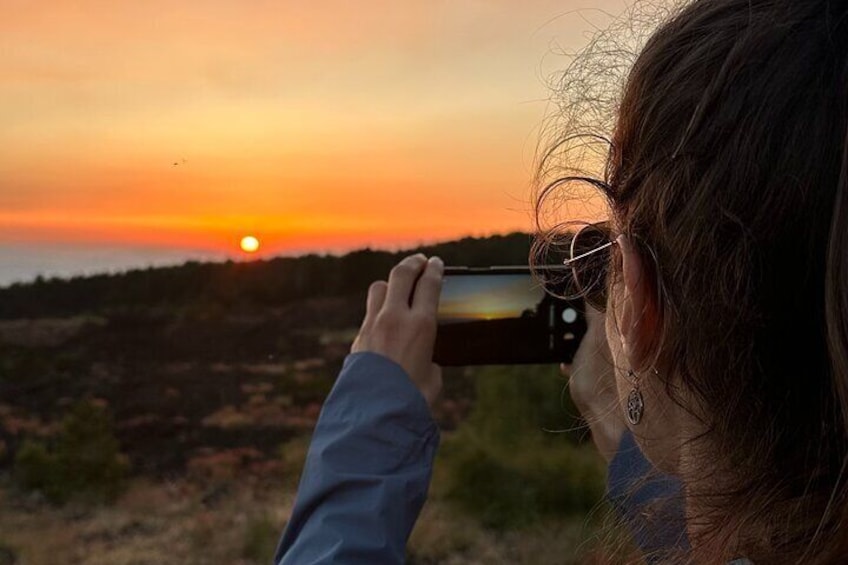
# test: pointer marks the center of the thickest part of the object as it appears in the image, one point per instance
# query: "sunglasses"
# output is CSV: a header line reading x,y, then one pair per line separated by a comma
x,y
590,257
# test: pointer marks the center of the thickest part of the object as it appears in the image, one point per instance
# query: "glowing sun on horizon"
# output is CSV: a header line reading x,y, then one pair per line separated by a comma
x,y
249,244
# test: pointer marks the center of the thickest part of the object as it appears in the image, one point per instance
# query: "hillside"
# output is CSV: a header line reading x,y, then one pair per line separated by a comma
x,y
183,398
197,359
258,284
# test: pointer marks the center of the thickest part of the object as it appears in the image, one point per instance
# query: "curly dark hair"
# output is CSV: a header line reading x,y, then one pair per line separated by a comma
x,y
728,162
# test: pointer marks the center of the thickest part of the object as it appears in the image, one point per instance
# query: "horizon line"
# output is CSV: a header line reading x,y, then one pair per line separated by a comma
x,y
223,258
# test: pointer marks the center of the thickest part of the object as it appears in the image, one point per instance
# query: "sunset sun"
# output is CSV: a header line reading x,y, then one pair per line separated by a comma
x,y
249,244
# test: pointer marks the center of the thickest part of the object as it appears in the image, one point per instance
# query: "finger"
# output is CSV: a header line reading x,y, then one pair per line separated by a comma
x,y
373,303
429,287
565,368
402,279
376,298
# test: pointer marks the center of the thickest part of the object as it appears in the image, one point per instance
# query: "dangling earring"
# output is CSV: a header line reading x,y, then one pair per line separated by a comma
x,y
635,402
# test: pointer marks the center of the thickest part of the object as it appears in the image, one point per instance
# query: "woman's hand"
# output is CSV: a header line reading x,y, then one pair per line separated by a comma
x,y
593,387
400,320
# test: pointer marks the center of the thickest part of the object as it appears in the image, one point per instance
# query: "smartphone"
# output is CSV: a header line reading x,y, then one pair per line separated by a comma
x,y
503,316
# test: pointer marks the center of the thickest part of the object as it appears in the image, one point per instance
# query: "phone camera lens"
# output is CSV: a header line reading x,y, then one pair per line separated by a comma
x,y
569,315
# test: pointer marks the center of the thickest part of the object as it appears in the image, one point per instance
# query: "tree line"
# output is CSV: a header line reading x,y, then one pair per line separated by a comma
x,y
263,283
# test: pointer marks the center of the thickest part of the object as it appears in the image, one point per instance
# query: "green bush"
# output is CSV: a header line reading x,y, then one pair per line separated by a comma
x,y
569,480
36,469
507,489
497,495
8,555
517,403
85,461
504,469
260,539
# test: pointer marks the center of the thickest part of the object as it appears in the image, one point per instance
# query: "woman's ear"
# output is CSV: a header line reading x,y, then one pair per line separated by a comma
x,y
637,319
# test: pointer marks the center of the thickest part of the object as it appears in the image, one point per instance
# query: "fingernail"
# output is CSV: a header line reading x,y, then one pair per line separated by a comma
x,y
437,262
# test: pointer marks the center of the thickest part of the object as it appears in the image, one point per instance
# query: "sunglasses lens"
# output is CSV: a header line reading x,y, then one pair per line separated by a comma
x,y
590,263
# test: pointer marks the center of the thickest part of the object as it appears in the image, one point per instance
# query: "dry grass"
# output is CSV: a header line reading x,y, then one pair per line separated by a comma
x,y
178,522
235,516
154,523
46,332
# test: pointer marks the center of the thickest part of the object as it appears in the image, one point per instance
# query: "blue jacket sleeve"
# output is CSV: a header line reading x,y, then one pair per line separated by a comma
x,y
367,471
650,503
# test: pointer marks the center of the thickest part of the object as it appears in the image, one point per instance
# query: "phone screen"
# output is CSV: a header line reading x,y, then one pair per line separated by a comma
x,y
503,316
468,299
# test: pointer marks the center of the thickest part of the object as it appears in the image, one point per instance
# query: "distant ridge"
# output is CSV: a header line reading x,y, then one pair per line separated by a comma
x,y
257,284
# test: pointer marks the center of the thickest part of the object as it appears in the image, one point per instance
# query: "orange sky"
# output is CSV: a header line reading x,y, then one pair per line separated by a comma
x,y
319,125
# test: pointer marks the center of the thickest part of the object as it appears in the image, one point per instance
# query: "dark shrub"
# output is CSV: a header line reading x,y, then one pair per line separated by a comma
x,y
85,461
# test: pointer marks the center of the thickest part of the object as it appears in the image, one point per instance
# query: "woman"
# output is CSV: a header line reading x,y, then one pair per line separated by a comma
x,y
723,353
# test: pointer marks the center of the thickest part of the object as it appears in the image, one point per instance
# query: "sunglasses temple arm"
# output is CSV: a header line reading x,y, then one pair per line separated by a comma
x,y
590,252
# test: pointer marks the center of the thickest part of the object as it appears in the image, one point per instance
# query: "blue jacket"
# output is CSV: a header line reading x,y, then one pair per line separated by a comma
x,y
369,466
367,470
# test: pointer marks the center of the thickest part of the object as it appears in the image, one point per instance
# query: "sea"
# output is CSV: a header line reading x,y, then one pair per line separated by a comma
x,y
22,263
